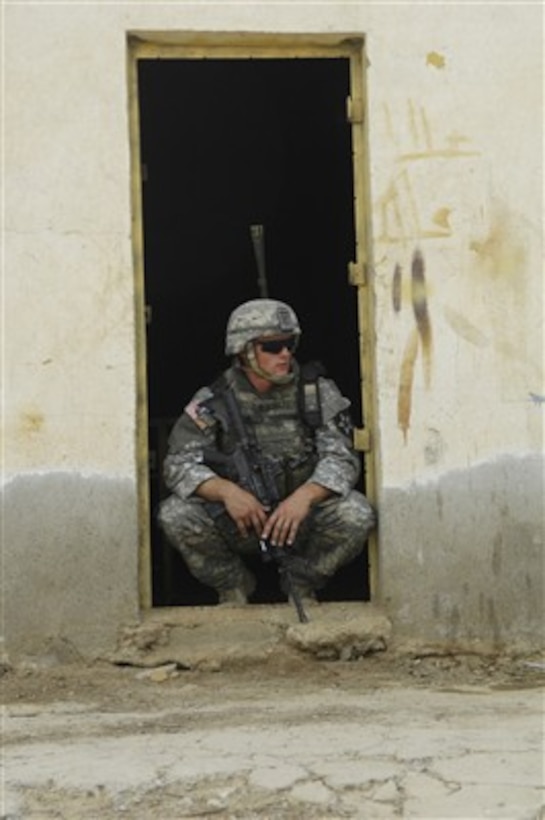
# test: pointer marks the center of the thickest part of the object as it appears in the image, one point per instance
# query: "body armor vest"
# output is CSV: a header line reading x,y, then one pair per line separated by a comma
x,y
276,422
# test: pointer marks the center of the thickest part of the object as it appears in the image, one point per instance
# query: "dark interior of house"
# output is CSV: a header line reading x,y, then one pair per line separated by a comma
x,y
226,144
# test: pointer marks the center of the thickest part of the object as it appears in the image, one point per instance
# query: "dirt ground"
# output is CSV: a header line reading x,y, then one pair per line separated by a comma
x,y
53,709
114,686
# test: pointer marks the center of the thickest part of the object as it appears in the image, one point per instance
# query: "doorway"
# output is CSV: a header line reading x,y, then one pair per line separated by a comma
x,y
226,144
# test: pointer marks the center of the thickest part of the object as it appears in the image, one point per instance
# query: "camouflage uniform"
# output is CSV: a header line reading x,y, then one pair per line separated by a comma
x,y
335,530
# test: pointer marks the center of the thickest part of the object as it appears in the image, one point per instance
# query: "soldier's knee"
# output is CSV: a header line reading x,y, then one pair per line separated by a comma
x,y
179,518
358,513
166,513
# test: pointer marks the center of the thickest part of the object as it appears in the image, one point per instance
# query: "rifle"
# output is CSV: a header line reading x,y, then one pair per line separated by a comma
x,y
256,475
258,240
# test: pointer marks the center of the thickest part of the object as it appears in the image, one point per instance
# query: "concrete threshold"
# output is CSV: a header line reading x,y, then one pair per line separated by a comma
x,y
215,637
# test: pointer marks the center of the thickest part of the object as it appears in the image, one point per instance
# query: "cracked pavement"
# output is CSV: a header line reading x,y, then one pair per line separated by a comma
x,y
319,745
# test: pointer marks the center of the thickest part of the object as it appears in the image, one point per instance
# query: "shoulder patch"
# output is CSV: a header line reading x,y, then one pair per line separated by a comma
x,y
344,423
198,411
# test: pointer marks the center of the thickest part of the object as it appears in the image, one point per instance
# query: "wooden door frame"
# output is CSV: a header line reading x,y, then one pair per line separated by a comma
x,y
202,45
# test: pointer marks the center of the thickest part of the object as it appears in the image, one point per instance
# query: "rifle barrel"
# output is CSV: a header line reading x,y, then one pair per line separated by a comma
x,y
258,240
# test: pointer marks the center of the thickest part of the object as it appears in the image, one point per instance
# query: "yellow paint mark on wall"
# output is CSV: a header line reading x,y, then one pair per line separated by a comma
x,y
464,328
32,422
501,252
405,389
420,338
441,218
435,59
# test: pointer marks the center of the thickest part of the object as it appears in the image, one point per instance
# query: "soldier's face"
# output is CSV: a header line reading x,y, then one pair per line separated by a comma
x,y
274,354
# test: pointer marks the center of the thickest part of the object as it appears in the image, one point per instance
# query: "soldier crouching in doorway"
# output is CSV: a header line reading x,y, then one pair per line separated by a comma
x,y
297,424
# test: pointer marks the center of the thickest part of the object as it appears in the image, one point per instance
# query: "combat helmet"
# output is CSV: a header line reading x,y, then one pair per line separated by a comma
x,y
258,318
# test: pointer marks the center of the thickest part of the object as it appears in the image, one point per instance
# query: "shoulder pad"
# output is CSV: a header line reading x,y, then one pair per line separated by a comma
x,y
202,395
333,401
310,371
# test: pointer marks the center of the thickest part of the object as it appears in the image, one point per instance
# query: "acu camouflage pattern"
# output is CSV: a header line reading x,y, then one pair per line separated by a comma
x,y
258,318
334,532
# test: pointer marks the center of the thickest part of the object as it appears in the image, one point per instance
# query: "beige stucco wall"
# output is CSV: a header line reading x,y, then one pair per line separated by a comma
x,y
456,151
455,138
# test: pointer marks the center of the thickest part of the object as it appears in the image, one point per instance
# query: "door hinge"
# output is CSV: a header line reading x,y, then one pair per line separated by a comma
x,y
354,109
357,274
362,440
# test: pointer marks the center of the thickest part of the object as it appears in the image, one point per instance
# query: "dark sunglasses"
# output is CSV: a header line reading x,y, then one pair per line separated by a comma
x,y
278,345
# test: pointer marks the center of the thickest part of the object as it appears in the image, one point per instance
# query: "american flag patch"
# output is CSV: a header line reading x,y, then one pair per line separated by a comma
x,y
199,414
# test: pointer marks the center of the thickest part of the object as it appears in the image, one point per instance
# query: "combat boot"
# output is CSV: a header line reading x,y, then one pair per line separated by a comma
x,y
306,595
237,596
232,597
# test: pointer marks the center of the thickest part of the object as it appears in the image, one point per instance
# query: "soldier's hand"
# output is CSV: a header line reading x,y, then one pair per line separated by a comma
x,y
283,523
245,509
